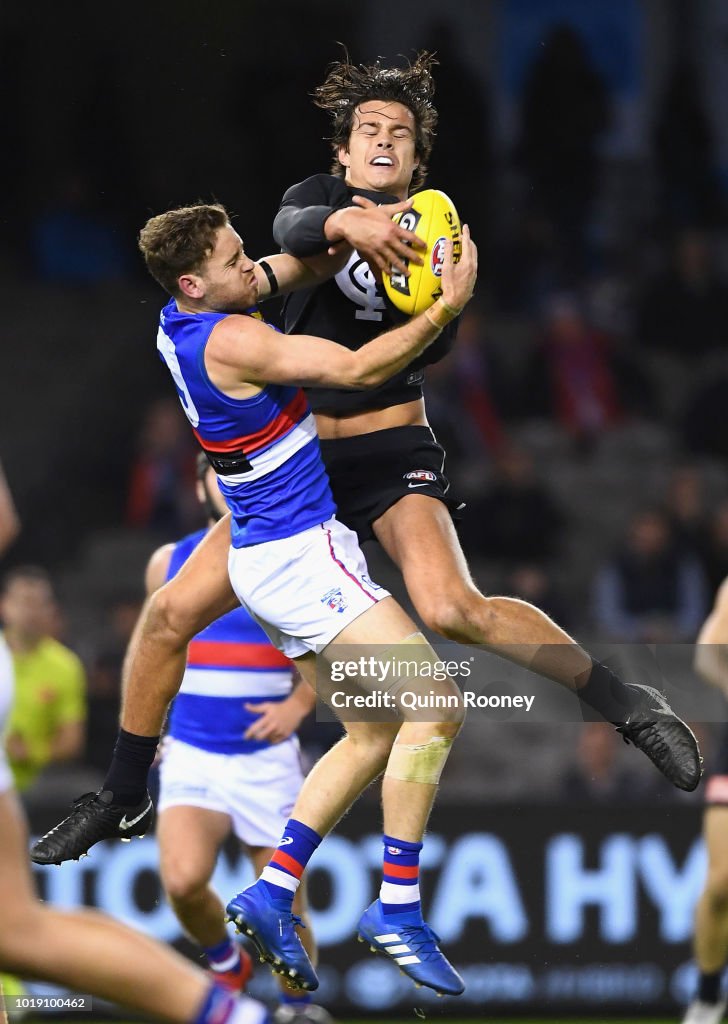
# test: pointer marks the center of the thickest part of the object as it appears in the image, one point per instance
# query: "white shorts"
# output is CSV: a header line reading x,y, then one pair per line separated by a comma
x,y
303,590
257,791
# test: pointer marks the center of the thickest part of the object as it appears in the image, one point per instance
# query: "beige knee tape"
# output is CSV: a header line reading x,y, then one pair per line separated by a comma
x,y
419,762
422,653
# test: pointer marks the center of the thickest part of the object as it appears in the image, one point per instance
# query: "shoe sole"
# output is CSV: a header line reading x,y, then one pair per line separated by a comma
x,y
686,785
417,984
244,927
65,860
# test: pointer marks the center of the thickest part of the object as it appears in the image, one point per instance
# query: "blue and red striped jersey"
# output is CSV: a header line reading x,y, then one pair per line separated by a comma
x,y
279,486
229,664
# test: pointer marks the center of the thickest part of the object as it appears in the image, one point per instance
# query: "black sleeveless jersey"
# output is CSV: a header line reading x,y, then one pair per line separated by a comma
x,y
351,308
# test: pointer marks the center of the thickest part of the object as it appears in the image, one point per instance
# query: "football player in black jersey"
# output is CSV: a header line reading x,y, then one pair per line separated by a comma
x,y
385,466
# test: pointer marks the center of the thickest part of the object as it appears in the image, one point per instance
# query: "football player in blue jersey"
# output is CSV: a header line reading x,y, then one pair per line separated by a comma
x,y
298,571
231,763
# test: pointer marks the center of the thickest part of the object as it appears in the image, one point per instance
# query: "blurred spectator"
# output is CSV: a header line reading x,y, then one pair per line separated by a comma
x,y
596,776
714,548
564,111
703,421
650,591
571,377
9,521
531,582
470,395
162,478
47,721
515,518
684,151
527,266
685,505
104,682
684,309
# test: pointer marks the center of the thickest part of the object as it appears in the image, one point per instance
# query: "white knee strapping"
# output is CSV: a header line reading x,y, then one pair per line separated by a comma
x,y
419,762
407,665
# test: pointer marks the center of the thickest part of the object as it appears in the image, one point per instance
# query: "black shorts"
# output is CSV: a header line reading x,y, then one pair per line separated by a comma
x,y
716,784
370,472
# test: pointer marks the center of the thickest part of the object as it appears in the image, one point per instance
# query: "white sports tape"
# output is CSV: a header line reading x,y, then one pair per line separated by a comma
x,y
419,762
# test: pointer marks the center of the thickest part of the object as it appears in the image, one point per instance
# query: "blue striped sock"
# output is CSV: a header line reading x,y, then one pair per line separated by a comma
x,y
400,890
282,875
217,1008
223,957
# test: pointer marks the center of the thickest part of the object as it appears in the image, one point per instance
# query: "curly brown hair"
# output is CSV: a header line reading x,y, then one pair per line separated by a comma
x,y
179,241
348,85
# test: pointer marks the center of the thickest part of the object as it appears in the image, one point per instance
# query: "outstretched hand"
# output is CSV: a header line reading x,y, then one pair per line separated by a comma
x,y
369,228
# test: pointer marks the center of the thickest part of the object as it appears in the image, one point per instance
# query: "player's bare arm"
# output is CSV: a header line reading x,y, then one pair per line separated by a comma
x,y
244,353
282,273
155,575
711,649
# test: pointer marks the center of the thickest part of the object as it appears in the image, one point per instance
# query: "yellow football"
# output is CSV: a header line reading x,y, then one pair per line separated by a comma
x,y
434,218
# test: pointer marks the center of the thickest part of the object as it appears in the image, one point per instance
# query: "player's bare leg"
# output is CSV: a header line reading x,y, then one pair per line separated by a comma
x,y
87,951
157,654
445,596
343,773
711,922
412,766
189,841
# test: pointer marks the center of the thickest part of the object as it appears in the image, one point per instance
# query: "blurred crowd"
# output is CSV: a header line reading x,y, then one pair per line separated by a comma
x,y
583,411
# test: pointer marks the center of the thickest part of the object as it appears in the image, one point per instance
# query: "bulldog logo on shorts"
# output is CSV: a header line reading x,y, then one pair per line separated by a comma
x,y
334,600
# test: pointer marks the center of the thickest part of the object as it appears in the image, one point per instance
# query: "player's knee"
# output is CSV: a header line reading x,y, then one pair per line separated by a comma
x,y
377,741
452,613
447,729
183,883
169,619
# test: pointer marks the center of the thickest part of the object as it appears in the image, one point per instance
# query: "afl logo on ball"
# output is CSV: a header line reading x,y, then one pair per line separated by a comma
x,y
437,257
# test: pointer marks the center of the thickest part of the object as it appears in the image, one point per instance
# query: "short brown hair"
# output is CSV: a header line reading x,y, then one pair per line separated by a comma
x,y
348,85
179,241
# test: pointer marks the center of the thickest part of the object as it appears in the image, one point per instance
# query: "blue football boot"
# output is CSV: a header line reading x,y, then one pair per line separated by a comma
x,y
273,933
412,946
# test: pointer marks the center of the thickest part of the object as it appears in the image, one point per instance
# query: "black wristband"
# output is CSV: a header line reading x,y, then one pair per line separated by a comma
x,y
272,279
